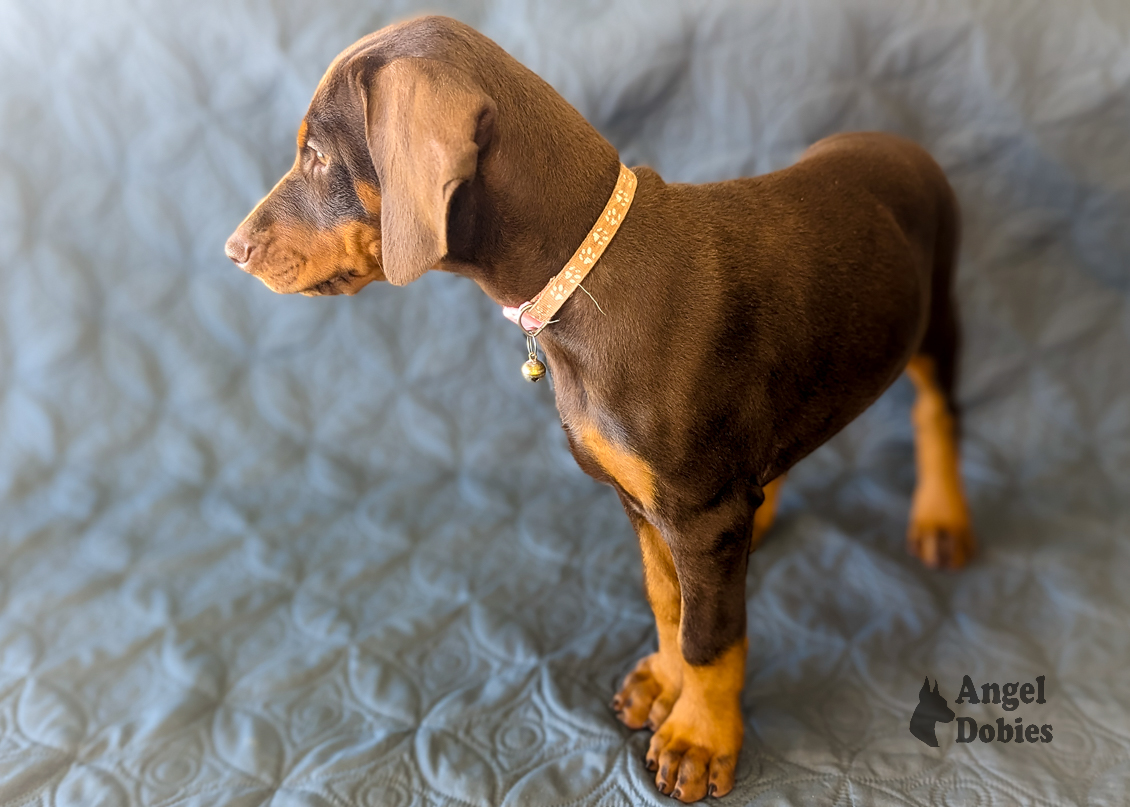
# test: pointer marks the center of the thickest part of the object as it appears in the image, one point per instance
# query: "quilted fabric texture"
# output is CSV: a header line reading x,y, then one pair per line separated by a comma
x,y
324,552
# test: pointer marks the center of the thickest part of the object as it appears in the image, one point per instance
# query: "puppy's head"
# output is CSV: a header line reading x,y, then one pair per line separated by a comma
x,y
382,148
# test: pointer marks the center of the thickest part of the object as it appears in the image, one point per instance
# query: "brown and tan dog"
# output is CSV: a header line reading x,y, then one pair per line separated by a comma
x,y
744,322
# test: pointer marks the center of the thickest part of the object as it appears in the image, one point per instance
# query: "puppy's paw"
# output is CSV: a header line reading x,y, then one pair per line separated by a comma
x,y
695,751
648,693
941,540
940,533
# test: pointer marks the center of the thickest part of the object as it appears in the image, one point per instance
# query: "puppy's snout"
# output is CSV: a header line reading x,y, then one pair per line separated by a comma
x,y
239,250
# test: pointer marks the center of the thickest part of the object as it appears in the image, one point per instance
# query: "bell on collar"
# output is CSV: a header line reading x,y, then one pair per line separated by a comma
x,y
533,370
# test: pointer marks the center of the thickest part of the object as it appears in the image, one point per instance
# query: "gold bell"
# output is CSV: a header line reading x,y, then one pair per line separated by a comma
x,y
533,370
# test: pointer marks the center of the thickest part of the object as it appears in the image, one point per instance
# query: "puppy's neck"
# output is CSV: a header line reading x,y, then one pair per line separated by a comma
x,y
542,184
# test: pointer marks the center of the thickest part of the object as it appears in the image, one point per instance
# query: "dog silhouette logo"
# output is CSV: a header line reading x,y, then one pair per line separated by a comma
x,y
932,708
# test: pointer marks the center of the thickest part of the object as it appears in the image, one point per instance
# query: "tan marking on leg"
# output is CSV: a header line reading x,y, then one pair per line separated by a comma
x,y
631,472
940,533
650,689
696,749
764,516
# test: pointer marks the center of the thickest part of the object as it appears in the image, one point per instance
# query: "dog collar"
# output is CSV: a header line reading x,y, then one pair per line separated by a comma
x,y
533,316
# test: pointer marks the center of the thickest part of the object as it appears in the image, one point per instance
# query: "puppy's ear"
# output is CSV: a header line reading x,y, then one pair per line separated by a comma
x,y
426,122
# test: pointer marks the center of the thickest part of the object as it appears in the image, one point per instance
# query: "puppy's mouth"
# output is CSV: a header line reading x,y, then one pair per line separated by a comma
x,y
341,283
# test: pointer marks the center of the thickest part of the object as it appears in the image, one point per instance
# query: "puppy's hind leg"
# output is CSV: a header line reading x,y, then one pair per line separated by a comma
x,y
939,534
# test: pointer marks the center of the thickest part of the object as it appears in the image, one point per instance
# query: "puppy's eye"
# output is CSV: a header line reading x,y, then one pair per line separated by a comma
x,y
320,160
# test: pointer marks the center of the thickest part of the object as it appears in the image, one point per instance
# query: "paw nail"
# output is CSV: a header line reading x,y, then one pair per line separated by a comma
x,y
651,766
713,789
676,793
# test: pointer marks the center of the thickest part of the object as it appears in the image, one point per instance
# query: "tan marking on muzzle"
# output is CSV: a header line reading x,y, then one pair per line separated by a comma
x,y
346,257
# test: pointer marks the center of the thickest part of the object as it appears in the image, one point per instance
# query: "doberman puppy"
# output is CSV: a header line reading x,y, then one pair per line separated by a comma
x,y
740,324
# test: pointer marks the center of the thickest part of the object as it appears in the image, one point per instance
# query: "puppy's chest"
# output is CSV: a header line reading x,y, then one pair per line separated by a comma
x,y
600,445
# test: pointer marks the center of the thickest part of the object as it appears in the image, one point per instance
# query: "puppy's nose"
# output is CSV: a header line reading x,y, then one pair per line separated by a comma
x,y
238,249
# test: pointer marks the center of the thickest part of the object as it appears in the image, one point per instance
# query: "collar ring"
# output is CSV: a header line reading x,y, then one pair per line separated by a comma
x,y
522,309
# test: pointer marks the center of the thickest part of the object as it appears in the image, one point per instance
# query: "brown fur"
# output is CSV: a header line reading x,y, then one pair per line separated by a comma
x,y
744,323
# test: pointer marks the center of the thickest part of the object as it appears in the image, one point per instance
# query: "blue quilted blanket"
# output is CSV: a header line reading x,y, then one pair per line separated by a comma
x,y
325,552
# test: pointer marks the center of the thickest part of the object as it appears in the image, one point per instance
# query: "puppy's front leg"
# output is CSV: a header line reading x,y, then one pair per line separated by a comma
x,y
696,748
651,688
